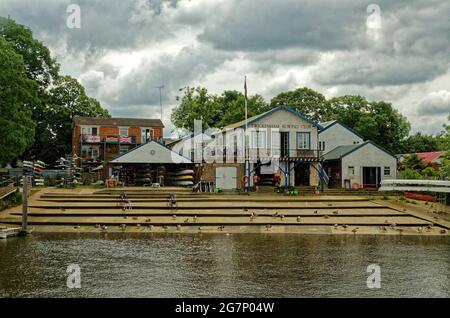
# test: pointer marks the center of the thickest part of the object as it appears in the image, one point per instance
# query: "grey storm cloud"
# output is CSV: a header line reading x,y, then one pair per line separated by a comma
x,y
331,46
105,25
173,71
369,68
252,25
435,103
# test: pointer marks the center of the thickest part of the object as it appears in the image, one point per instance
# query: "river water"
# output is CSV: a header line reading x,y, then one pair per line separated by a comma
x,y
219,265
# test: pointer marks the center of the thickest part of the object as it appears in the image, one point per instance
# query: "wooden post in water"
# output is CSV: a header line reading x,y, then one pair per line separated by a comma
x,y
26,184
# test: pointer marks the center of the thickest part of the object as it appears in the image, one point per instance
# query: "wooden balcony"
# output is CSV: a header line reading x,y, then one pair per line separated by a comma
x,y
109,139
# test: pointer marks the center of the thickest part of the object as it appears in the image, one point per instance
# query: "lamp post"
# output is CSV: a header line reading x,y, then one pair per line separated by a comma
x,y
160,99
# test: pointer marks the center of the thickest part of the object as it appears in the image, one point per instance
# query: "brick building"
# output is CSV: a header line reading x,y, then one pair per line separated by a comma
x,y
99,139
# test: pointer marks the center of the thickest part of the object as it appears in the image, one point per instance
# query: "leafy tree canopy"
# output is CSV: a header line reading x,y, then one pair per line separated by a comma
x,y
216,111
58,98
306,101
419,143
17,93
67,98
39,64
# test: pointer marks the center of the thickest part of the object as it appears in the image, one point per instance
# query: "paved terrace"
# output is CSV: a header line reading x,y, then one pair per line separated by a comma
x,y
57,210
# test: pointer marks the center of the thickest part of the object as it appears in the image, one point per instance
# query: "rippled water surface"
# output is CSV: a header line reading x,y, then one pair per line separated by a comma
x,y
272,265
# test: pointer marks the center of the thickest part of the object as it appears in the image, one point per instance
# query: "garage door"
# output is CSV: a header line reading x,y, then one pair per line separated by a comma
x,y
226,178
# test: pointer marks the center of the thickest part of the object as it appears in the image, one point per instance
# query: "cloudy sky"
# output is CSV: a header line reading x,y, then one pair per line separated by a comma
x,y
398,51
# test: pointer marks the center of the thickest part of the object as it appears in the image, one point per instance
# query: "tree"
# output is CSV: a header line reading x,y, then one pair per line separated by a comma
x,y
232,105
215,111
17,95
376,121
66,99
443,138
196,103
410,174
307,102
39,64
419,143
57,98
413,162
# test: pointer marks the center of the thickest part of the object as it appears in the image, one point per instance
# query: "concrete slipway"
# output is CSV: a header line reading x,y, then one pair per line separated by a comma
x,y
149,210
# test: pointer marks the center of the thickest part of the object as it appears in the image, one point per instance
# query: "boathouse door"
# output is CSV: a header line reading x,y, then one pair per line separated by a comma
x,y
370,177
284,140
226,178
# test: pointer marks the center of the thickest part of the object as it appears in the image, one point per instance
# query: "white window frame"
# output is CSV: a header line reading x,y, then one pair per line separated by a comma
x,y
351,170
150,137
388,168
306,143
120,133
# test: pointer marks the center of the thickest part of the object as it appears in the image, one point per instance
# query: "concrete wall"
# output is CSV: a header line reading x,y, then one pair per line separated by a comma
x,y
368,156
336,136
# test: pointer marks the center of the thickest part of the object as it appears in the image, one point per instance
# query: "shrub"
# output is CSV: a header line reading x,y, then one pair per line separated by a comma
x,y
410,174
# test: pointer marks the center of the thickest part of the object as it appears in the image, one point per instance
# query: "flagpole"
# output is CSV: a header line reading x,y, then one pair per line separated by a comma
x,y
247,155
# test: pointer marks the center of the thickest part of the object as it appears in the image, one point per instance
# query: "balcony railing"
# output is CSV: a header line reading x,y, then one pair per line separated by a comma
x,y
259,153
114,139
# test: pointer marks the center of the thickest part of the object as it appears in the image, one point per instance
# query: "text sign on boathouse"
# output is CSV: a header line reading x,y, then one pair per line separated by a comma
x,y
284,126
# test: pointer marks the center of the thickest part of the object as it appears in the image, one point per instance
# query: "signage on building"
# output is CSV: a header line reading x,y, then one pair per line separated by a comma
x,y
282,126
112,139
93,139
126,140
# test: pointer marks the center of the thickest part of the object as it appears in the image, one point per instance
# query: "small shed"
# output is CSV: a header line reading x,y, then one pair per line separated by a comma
x,y
152,162
359,166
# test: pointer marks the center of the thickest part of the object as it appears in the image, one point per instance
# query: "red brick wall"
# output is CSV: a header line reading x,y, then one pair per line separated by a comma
x,y
136,132
108,131
157,133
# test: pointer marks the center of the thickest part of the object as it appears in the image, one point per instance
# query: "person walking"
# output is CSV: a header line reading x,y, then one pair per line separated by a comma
x,y
256,180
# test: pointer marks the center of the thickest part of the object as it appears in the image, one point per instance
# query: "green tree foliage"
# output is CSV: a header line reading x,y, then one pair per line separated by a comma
x,y
232,105
306,101
419,143
444,170
443,138
413,162
67,98
58,99
39,64
410,174
196,103
17,93
376,121
215,111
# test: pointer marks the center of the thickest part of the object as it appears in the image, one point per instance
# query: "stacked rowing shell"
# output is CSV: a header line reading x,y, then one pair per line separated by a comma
x,y
184,178
143,176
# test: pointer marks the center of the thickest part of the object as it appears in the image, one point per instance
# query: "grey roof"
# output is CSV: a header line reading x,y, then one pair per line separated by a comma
x,y
327,123
340,151
129,122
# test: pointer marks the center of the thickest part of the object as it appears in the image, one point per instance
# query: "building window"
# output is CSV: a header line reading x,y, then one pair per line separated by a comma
x,y
123,149
92,131
146,134
262,139
351,170
387,171
123,131
259,139
322,145
276,143
303,140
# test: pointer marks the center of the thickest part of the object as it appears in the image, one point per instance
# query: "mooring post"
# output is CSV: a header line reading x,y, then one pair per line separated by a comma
x,y
26,180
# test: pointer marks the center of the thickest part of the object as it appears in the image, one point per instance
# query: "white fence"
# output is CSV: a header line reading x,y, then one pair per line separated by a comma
x,y
415,185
